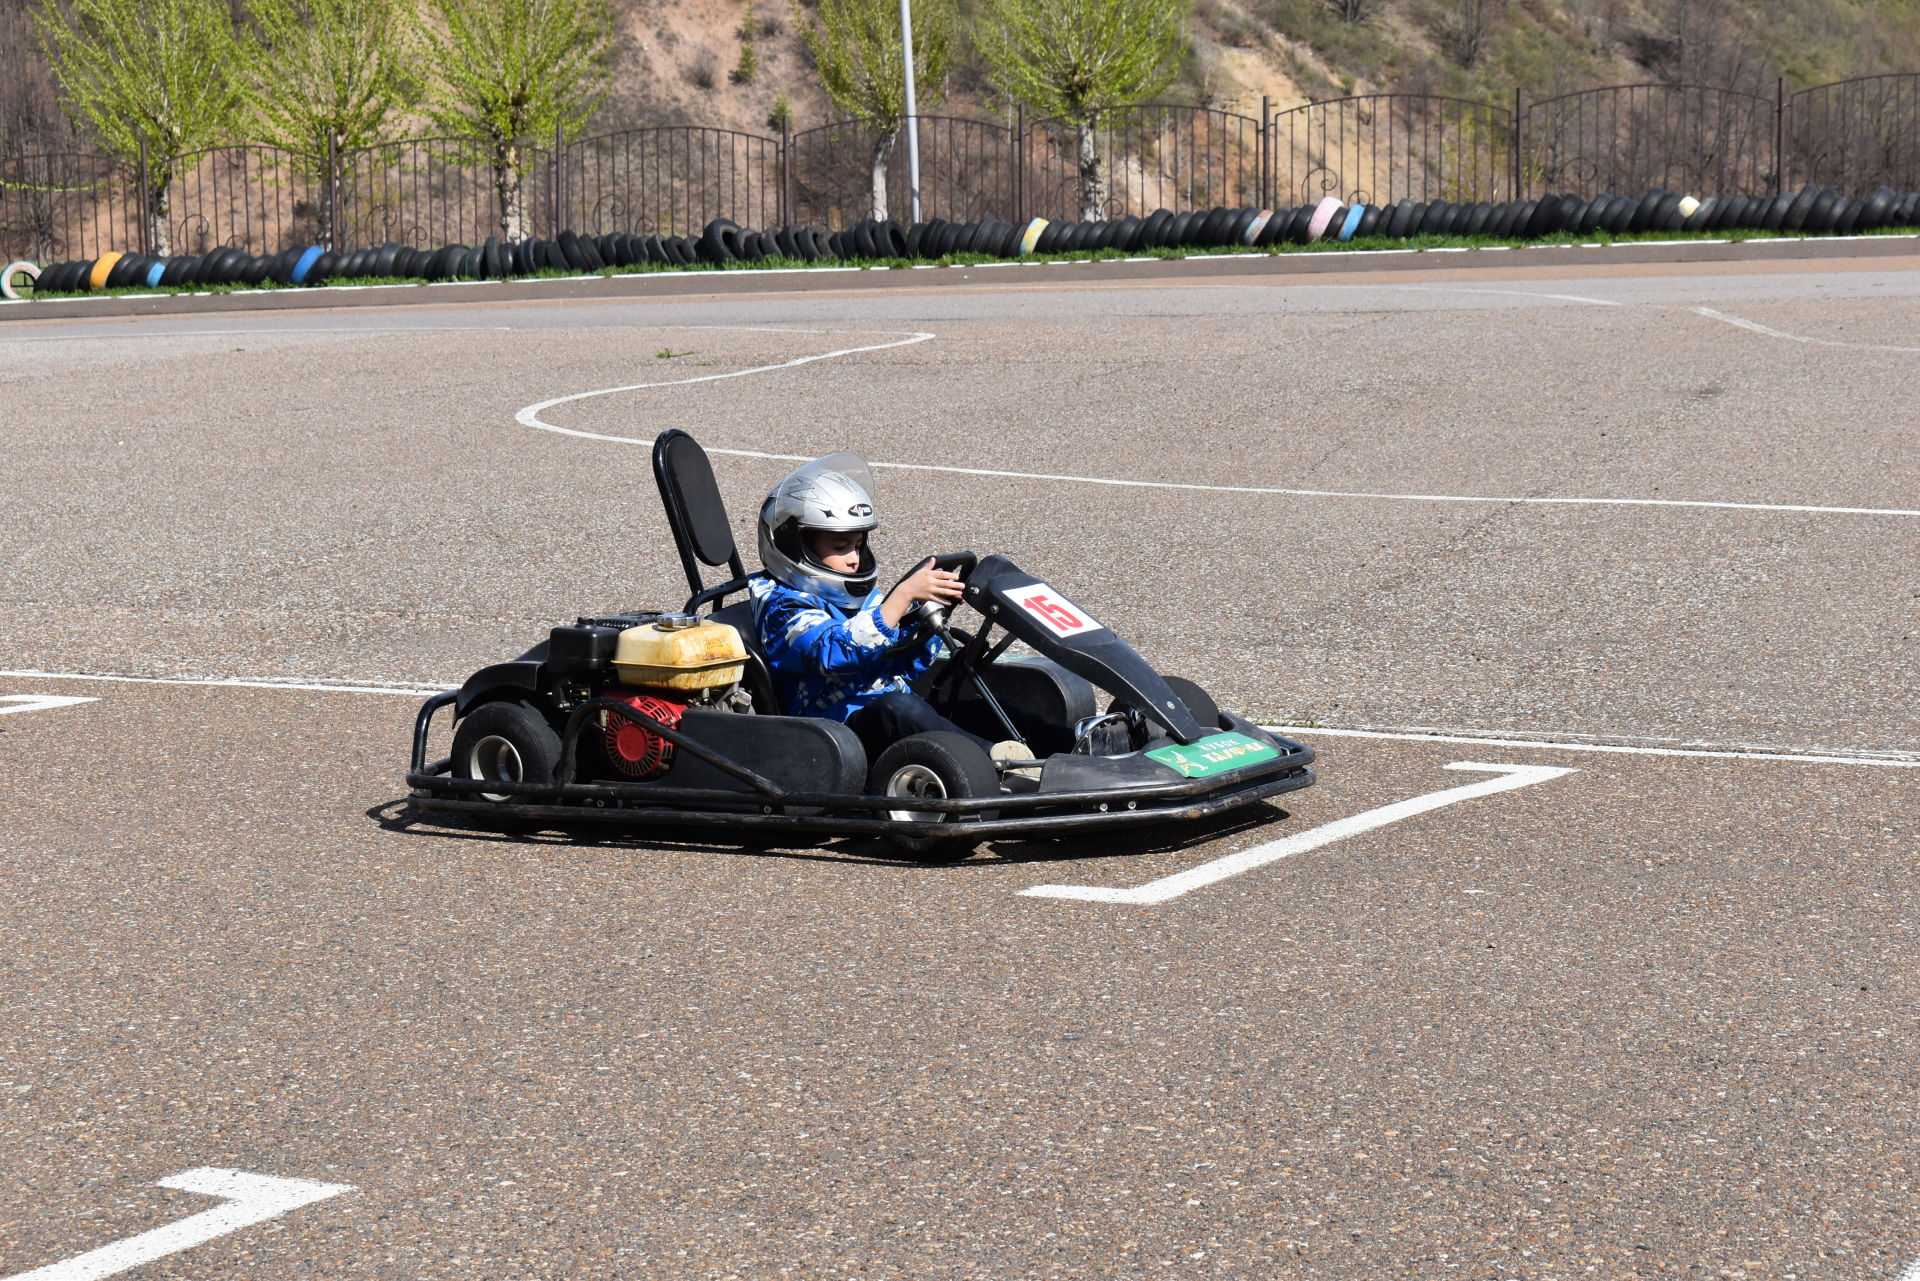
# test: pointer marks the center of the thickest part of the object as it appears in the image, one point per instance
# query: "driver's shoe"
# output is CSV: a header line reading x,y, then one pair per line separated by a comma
x,y
1012,749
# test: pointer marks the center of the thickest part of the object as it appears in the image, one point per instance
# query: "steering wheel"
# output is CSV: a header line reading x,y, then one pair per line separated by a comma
x,y
930,615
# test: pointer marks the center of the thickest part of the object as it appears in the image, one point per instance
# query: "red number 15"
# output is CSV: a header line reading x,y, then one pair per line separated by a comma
x,y
1059,615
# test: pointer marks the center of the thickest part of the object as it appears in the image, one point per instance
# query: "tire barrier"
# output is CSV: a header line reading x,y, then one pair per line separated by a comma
x,y
1820,211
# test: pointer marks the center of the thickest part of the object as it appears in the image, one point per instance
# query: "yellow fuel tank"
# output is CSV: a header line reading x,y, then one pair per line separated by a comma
x,y
679,652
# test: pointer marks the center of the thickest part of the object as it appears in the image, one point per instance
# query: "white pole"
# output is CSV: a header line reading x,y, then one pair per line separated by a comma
x,y
913,121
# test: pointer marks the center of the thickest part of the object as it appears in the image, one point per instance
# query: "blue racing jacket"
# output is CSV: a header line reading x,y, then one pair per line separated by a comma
x,y
826,662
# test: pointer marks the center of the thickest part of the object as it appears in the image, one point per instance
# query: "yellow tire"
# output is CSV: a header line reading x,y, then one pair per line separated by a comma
x,y
102,267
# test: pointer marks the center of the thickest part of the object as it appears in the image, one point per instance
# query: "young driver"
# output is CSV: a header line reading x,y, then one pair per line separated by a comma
x,y
832,638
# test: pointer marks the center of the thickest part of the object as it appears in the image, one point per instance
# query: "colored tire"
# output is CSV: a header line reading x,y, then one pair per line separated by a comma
x,y
12,272
1351,223
304,265
1323,215
102,268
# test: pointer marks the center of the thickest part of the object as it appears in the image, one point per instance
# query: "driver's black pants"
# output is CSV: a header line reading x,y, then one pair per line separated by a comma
x,y
891,717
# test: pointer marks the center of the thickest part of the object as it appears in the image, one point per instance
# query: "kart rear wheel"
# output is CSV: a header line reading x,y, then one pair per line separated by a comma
x,y
507,743
937,765
1198,701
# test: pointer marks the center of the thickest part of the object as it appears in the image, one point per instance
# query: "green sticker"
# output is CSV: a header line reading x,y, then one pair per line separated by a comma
x,y
1215,754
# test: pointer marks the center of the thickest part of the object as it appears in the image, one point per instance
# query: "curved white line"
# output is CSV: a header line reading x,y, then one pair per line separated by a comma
x,y
1754,327
1517,293
530,416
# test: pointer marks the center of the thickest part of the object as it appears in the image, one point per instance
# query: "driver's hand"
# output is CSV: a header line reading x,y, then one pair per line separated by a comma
x,y
941,586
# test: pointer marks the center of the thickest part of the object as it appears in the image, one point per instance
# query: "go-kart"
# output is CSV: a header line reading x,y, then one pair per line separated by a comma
x,y
647,719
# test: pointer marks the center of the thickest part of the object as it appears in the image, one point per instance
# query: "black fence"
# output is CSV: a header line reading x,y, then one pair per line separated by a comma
x,y
1369,149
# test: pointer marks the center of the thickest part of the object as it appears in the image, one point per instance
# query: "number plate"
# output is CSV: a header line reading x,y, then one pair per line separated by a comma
x,y
1215,754
1054,611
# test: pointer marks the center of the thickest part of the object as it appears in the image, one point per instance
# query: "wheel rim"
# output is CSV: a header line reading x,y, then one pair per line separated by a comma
x,y
916,781
495,759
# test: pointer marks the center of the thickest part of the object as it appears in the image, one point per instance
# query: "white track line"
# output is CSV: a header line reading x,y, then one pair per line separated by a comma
x,y
1898,760
321,687
1171,887
530,416
1753,327
1912,1273
249,1199
257,332
39,702
1516,293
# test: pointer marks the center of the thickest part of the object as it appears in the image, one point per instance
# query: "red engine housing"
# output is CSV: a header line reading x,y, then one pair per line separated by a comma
x,y
633,750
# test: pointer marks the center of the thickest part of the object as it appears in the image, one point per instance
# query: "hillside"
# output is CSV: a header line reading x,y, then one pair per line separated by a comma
x,y
675,58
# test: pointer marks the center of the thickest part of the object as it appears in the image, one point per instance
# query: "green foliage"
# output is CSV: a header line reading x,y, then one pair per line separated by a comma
x,y
342,69
856,47
781,117
510,71
749,64
1077,58
145,71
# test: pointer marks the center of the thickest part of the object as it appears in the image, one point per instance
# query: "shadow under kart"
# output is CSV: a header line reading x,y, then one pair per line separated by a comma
x,y
649,720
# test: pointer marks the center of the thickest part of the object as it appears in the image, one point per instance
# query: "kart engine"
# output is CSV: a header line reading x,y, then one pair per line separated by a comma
x,y
666,665
633,749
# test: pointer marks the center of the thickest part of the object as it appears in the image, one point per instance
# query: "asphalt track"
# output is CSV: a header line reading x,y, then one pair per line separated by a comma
x,y
1647,529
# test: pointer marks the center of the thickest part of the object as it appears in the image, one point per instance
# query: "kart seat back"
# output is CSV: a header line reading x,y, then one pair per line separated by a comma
x,y
695,512
758,678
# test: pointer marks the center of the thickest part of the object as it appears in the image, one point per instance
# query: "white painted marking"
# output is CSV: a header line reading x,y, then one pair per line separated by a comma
x,y
271,333
1737,752
1308,493
322,687
530,416
251,1198
1912,1273
1754,327
1170,887
1517,293
39,702
1895,758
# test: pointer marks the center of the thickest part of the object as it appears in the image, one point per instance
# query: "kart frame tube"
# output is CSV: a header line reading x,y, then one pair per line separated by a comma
x,y
423,777
848,825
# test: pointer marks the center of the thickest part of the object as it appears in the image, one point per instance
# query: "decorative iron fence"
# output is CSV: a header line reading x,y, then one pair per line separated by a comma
x,y
1151,157
1372,149
1856,134
1384,147
966,172
1627,138
671,180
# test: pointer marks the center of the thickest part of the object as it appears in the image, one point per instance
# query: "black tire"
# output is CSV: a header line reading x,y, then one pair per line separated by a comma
x,y
1198,701
505,742
940,764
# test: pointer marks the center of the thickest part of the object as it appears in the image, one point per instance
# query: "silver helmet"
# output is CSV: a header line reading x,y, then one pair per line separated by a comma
x,y
832,494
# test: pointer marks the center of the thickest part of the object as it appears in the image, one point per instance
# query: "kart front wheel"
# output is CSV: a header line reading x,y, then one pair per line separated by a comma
x,y
936,766
505,743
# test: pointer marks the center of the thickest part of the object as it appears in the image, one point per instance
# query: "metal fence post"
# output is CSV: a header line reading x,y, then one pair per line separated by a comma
x,y
1518,140
559,179
1020,211
786,171
146,197
333,192
1780,134
1267,165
